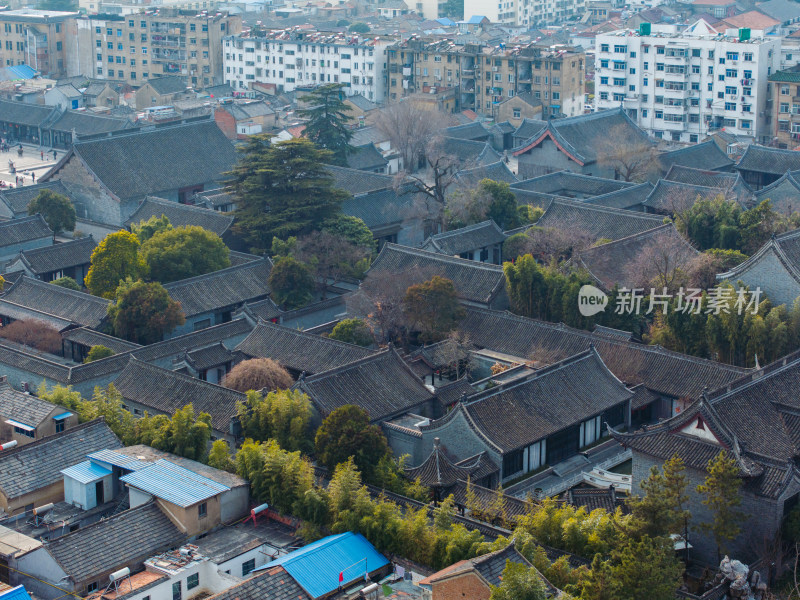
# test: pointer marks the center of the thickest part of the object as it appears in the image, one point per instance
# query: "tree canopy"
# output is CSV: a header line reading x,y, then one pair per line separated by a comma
x,y
490,200
291,283
519,582
66,282
282,190
147,229
283,415
433,306
258,374
98,352
56,209
721,495
143,312
347,432
183,252
328,121
114,259
352,331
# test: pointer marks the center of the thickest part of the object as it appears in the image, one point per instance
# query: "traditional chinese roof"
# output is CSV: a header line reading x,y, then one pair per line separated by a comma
x,y
384,208
358,182
24,229
168,85
180,215
465,239
274,583
610,264
164,391
366,158
783,194
706,155
17,199
768,160
56,257
630,198
74,306
382,384
469,131
572,185
478,153
519,413
666,372
22,407
229,287
599,222
438,470
474,281
584,136
90,337
785,247
209,356
705,178
497,171
454,392
298,350
674,196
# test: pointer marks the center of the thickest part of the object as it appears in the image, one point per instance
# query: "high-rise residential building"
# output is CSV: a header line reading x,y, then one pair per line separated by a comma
x,y
289,59
683,85
484,76
36,38
785,106
154,43
523,13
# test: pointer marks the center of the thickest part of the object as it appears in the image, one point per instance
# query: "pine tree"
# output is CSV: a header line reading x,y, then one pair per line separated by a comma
x,y
721,495
328,122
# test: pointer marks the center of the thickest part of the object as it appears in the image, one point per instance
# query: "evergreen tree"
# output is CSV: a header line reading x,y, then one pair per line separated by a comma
x,y
56,209
219,457
646,569
115,258
433,305
98,352
143,312
282,190
352,331
291,283
147,229
721,495
519,582
328,122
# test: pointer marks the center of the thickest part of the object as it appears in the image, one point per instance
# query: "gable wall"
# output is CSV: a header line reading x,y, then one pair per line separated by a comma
x,y
770,275
459,439
91,200
468,585
547,158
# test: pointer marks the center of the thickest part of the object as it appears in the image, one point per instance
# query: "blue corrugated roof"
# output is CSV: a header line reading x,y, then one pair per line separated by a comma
x,y
175,484
116,459
86,472
17,593
316,567
23,71
62,416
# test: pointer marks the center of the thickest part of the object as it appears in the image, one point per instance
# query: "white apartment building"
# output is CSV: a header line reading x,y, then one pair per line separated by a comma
x,y
291,59
524,13
683,85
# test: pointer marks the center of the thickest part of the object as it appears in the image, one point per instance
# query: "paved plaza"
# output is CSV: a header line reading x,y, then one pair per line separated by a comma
x,y
30,163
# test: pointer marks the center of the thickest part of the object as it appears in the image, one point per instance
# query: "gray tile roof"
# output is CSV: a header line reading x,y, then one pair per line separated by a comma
x,y
566,184
147,163
469,131
362,103
272,584
88,124
122,540
453,392
476,282
627,198
58,256
180,215
598,221
165,391
669,197
17,312
36,465
582,137
18,199
366,158
367,135
24,229
90,337
498,171
670,373
249,110
24,408
706,155
784,193
768,160
359,182
702,177
78,307
382,384
298,350
609,263
517,414
384,208
785,247
479,153
529,128
24,114
168,85
229,287
209,356
438,470
214,198
465,239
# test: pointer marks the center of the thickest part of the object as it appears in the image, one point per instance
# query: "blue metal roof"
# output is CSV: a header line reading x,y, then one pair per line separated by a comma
x,y
17,593
23,71
86,472
175,484
20,425
316,567
62,416
116,459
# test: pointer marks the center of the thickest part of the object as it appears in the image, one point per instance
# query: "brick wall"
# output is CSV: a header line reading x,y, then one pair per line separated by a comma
x,y
463,587
91,200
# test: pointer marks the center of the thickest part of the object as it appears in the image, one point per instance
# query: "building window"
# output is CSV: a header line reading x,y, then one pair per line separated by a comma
x,y
248,566
192,581
92,587
517,113
202,509
60,426
512,463
784,90
176,590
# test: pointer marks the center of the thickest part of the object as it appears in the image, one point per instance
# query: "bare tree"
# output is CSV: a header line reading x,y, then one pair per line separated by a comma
x,y
33,333
441,170
549,244
663,263
258,374
632,159
332,257
409,128
454,351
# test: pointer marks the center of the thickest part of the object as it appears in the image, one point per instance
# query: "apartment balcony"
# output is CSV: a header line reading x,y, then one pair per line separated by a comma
x,y
468,73
406,71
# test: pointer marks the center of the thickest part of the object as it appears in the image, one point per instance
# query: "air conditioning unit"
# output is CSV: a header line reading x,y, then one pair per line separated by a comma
x,y
495,69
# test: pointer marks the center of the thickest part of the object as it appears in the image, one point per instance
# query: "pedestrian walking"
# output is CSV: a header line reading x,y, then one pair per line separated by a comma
x,y
42,153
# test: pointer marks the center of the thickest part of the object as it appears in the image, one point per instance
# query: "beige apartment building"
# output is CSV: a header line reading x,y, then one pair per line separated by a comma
x,y
36,38
784,101
135,48
485,76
